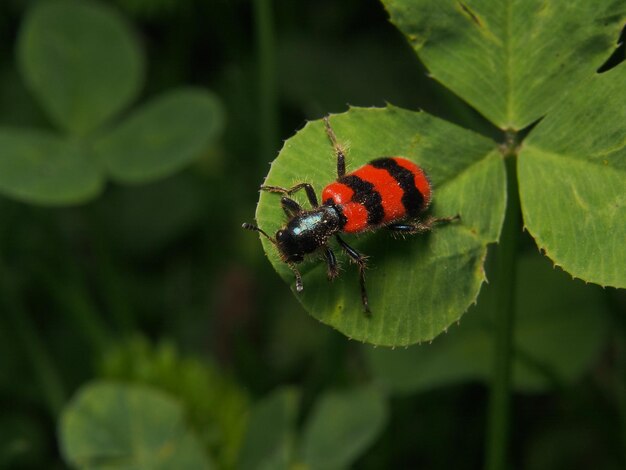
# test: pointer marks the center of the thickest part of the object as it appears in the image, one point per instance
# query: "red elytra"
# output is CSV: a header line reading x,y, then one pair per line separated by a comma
x,y
384,191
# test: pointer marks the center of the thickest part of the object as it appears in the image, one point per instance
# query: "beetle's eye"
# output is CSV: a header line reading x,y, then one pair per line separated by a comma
x,y
280,235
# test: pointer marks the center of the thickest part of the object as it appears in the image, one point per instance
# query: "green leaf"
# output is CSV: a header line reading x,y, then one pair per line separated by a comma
x,y
162,136
81,60
572,178
342,426
115,426
560,329
216,405
43,168
419,286
512,60
463,354
268,443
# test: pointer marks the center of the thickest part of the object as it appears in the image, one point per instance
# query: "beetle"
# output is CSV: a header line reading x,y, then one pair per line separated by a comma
x,y
389,192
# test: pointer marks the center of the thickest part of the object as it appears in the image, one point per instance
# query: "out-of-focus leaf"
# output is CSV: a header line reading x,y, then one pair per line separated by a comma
x,y
216,405
342,426
572,179
512,60
162,136
409,281
560,327
117,426
43,168
268,444
462,354
81,60
18,107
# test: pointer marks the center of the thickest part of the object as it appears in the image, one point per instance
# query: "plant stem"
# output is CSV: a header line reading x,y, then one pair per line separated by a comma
x,y
26,334
620,386
110,279
619,369
74,301
505,277
268,101
76,304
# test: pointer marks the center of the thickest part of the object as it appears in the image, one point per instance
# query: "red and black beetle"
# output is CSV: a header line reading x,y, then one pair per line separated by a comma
x,y
389,192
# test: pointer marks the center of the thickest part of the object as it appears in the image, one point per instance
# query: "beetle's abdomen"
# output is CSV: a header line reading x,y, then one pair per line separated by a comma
x,y
381,192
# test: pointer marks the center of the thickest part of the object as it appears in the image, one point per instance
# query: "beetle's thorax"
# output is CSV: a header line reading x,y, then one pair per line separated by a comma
x,y
307,231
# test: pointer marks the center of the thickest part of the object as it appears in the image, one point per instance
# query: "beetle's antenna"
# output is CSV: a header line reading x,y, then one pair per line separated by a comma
x,y
299,286
254,228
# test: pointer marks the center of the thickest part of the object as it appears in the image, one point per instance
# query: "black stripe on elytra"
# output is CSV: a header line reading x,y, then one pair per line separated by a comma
x,y
412,199
366,194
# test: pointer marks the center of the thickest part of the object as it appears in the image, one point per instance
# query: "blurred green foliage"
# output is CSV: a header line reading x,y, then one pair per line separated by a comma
x,y
214,405
83,63
143,306
111,425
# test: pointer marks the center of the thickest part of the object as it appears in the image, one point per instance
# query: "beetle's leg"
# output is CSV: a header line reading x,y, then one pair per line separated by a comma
x,y
290,206
331,262
410,229
422,226
361,261
339,150
296,273
310,192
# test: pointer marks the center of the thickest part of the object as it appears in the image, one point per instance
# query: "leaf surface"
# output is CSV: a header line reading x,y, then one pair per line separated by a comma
x,y
116,426
513,59
572,179
44,168
342,426
216,406
268,443
81,60
560,329
409,281
162,136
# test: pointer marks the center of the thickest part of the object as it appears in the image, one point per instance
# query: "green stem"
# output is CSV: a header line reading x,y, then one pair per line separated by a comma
x,y
110,280
619,369
505,277
26,335
620,386
115,297
266,56
74,301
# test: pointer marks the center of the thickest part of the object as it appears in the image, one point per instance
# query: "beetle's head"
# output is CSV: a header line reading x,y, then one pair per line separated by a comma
x,y
288,249
289,245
